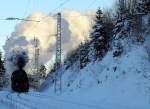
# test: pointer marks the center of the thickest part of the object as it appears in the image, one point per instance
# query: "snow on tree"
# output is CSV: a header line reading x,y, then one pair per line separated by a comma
x,y
123,26
141,18
143,6
71,58
147,6
2,68
99,37
91,54
84,54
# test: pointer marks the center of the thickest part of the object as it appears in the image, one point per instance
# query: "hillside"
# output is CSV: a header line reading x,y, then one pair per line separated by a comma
x,y
122,82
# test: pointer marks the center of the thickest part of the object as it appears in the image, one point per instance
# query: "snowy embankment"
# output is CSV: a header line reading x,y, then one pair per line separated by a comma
x,y
121,83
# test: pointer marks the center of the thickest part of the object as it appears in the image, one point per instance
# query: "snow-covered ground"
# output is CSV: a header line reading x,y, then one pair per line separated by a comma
x,y
113,83
121,83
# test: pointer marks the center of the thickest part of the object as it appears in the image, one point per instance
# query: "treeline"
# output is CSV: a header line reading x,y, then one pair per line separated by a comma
x,y
3,81
112,32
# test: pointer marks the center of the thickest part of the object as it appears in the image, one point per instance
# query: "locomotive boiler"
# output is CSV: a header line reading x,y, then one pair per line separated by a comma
x,y
19,79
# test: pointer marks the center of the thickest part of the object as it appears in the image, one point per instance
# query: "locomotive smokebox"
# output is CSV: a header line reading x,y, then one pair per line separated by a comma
x,y
21,62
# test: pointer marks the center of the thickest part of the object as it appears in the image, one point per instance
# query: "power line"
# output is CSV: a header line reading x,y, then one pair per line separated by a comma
x,y
22,19
90,4
61,4
27,7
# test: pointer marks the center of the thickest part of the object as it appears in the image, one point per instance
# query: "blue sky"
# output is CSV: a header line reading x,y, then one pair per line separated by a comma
x,y
22,8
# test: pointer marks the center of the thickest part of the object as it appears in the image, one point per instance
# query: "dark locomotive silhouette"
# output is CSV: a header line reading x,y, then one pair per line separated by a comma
x,y
19,79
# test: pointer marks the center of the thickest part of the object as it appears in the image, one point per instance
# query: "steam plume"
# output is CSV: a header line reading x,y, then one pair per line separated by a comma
x,y
17,58
75,29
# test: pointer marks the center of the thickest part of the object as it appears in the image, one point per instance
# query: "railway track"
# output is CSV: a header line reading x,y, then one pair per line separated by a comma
x,y
45,104
9,103
23,101
18,103
64,101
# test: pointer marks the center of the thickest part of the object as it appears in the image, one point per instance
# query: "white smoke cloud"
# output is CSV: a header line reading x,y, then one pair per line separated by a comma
x,y
75,29
79,26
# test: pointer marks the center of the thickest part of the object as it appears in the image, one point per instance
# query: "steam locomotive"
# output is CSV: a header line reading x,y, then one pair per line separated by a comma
x,y
19,79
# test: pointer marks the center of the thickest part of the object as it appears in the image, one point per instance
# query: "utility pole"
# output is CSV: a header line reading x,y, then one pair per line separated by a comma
x,y
36,57
36,63
58,85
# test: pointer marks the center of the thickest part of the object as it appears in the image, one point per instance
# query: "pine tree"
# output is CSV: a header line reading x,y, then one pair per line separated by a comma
x,y
147,6
121,18
99,37
143,6
2,71
42,71
72,57
2,68
123,26
84,55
